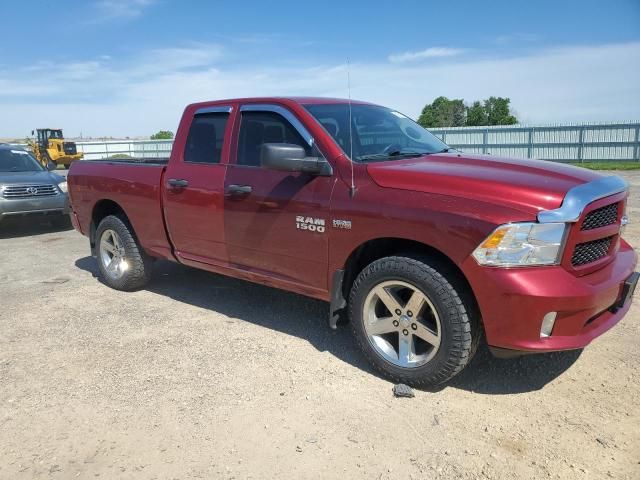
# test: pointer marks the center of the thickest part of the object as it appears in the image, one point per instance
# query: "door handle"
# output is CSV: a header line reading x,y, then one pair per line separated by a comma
x,y
177,183
239,189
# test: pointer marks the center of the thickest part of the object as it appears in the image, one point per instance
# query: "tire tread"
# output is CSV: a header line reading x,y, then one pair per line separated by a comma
x,y
465,331
139,271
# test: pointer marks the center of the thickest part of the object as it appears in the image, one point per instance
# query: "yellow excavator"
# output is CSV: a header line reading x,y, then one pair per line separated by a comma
x,y
50,146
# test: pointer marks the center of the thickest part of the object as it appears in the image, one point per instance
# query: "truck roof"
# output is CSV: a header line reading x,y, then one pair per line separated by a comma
x,y
298,100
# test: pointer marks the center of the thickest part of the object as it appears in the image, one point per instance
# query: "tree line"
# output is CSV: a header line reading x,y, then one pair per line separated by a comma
x,y
162,135
443,112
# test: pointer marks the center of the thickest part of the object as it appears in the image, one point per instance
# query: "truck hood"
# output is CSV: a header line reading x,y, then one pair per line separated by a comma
x,y
10,178
525,185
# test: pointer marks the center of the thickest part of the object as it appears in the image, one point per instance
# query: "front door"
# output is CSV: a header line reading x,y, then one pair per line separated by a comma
x,y
194,189
276,222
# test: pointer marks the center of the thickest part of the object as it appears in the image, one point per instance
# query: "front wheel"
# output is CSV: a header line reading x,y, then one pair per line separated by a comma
x,y
122,262
411,323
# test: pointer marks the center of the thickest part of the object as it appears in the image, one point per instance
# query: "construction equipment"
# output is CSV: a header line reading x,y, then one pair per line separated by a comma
x,y
50,146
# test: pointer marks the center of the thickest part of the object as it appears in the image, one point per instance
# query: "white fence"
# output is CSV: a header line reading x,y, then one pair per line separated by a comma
x,y
618,141
97,150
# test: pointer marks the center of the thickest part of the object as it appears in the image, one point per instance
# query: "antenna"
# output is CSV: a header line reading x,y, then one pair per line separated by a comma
x,y
352,190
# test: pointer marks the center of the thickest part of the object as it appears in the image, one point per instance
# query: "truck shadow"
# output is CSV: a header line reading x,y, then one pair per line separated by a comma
x,y
29,226
494,376
307,318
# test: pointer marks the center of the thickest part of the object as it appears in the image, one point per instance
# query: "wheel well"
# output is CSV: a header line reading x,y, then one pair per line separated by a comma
x,y
386,247
103,209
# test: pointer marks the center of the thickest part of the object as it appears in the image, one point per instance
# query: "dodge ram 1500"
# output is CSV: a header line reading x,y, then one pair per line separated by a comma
x,y
427,250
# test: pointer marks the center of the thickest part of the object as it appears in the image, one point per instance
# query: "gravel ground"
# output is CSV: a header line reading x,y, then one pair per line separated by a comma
x,y
201,376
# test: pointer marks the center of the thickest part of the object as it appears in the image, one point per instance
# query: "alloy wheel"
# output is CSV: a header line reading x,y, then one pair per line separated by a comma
x,y
112,254
402,324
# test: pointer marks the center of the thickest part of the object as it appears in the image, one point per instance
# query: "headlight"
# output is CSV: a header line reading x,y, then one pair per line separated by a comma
x,y
521,244
63,187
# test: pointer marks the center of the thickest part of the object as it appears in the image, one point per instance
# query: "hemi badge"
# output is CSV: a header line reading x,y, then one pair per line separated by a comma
x,y
343,224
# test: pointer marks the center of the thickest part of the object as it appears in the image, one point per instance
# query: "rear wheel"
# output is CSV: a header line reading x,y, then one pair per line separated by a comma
x,y
411,323
122,262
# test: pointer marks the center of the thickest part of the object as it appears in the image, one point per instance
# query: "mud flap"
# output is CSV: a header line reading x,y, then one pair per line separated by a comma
x,y
338,302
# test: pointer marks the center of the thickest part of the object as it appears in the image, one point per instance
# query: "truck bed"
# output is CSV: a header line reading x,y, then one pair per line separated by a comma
x,y
134,184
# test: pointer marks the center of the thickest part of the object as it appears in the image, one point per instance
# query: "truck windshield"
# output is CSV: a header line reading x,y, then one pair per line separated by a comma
x,y
378,133
18,161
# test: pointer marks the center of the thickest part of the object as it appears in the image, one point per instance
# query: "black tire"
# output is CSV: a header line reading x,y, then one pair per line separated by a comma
x,y
458,323
138,271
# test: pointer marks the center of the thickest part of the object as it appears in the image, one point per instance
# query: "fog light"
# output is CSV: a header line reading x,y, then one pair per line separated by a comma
x,y
624,221
547,324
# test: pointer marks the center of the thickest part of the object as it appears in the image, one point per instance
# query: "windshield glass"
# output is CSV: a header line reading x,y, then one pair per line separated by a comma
x,y
379,133
18,161
57,134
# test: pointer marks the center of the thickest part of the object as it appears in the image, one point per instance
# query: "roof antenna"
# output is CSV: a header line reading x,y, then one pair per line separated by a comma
x,y
352,189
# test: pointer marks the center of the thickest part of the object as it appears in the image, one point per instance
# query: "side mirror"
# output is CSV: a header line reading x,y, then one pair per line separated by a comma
x,y
51,166
33,133
288,157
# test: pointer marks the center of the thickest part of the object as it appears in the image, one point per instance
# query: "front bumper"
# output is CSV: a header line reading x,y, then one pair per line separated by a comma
x,y
513,302
55,204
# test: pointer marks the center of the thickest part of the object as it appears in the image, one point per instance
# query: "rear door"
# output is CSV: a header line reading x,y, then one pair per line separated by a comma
x,y
194,188
276,222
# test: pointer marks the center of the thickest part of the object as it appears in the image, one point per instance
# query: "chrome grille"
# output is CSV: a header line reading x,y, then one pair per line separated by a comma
x,y
601,217
29,191
589,252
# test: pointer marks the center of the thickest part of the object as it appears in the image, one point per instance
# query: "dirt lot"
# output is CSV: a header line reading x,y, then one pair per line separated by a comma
x,y
201,376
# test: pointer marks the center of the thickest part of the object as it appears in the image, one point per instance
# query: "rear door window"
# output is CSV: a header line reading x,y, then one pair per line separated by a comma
x,y
206,137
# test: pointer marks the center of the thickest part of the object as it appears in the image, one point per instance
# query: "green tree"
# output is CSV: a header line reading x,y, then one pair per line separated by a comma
x,y
443,113
476,115
498,113
162,135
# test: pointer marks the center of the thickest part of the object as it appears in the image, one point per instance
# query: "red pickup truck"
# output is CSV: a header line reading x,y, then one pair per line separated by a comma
x,y
427,248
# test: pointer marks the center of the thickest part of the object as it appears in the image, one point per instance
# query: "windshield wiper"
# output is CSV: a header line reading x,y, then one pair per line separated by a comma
x,y
397,153
389,156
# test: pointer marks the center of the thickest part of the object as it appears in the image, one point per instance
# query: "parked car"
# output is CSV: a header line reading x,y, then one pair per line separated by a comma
x,y
27,188
429,249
